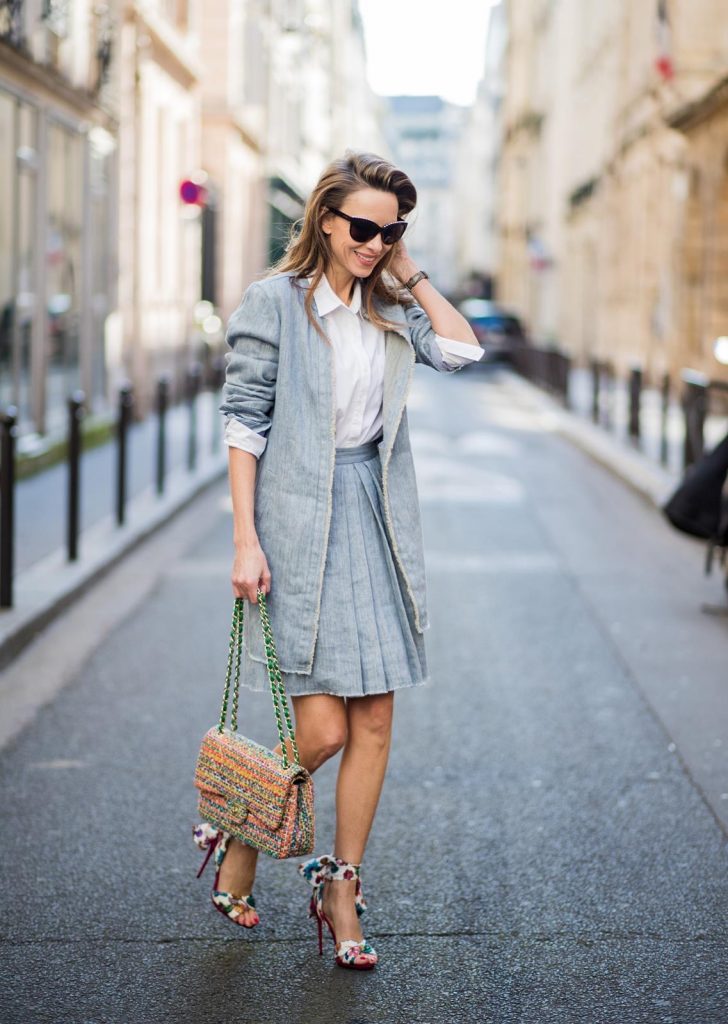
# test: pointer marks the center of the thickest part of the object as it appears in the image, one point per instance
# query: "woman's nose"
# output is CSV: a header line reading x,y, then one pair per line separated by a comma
x,y
375,245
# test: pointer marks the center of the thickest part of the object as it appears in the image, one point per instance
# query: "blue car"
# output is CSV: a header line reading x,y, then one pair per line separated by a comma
x,y
500,332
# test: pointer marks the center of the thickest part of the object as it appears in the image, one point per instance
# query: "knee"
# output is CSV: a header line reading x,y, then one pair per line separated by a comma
x,y
375,727
328,743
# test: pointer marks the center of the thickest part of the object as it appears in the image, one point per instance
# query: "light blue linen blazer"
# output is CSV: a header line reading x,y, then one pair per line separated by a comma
x,y
279,381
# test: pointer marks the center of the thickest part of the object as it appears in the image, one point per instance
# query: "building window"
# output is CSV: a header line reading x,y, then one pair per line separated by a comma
x,y
7,247
18,203
12,17
56,16
101,155
63,268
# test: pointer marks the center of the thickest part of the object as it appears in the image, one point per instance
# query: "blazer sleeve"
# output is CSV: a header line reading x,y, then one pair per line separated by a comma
x,y
424,340
253,333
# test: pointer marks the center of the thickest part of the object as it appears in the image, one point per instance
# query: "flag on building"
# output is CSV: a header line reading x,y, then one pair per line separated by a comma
x,y
663,31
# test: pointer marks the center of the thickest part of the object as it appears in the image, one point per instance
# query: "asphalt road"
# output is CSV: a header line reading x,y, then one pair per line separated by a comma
x,y
551,841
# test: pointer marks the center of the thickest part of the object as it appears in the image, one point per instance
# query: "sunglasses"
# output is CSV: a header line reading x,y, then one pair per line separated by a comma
x,y
362,230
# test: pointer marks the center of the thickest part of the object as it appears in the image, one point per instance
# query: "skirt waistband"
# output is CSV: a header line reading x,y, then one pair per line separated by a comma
x,y
360,453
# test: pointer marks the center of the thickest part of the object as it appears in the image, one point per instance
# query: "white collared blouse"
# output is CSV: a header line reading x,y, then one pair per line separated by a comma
x,y
358,351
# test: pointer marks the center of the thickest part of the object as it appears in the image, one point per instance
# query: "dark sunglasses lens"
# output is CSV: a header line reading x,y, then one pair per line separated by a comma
x,y
394,232
362,230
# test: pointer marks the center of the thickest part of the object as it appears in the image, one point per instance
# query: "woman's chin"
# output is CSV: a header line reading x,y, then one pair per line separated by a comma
x,y
358,269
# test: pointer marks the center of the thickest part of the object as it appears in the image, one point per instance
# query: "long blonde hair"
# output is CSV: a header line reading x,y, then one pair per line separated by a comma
x,y
308,252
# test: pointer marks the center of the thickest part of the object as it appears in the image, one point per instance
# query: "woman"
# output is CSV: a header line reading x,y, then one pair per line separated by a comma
x,y
326,519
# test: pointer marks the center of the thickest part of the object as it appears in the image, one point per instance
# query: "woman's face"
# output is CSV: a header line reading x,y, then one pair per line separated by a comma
x,y
359,258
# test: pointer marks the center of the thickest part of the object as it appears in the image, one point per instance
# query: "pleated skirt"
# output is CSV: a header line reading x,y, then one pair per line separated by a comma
x,y
367,641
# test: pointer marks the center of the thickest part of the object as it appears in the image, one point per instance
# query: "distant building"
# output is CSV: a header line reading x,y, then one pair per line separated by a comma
x,y
478,164
160,236
321,104
614,175
59,110
112,115
423,134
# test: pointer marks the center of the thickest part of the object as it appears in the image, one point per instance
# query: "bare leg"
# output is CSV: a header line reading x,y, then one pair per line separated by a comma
x,y
321,727
359,784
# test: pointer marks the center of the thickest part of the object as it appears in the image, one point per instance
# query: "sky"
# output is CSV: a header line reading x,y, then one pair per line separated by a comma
x,y
418,47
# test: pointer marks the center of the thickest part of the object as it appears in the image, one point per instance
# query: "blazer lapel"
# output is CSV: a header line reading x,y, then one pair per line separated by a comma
x,y
399,361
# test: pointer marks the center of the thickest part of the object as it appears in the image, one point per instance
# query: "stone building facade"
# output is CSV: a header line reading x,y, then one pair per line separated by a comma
x,y
613,175
59,126
155,154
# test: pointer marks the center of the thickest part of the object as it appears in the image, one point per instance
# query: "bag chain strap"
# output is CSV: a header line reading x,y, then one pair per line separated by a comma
x,y
277,689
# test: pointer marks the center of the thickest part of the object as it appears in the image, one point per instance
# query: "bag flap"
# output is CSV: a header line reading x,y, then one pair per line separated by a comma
x,y
242,773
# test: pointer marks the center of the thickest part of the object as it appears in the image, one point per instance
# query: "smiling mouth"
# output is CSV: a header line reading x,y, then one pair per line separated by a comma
x,y
366,259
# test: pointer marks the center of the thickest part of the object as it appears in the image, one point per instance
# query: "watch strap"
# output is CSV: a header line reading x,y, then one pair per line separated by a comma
x,y
419,276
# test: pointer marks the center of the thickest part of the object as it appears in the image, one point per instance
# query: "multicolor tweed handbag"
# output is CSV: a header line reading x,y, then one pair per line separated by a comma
x,y
256,795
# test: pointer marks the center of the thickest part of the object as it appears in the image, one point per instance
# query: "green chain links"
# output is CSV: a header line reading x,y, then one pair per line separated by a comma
x,y
277,689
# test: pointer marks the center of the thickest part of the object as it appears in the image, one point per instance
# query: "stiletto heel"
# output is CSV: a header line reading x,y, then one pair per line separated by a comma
x,y
215,841
353,953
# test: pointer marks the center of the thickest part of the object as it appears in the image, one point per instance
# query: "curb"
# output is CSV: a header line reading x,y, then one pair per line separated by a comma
x,y
646,478
42,592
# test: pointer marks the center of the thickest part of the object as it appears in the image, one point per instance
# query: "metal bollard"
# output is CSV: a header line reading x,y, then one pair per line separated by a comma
x,y
595,377
218,379
664,409
565,379
162,401
75,418
8,433
193,387
695,407
126,403
635,398
608,411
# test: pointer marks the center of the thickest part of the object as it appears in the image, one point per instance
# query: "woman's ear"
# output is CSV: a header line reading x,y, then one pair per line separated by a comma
x,y
326,225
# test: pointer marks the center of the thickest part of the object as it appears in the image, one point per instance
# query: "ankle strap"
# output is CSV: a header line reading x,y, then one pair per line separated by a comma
x,y
329,867
342,871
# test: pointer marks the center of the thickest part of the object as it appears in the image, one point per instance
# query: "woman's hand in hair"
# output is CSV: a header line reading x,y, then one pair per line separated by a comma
x,y
401,263
446,321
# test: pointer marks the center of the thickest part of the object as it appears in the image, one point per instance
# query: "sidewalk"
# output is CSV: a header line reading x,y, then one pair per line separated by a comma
x,y
45,582
611,448
614,407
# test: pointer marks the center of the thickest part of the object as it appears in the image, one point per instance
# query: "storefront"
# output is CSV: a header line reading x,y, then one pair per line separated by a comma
x,y
56,265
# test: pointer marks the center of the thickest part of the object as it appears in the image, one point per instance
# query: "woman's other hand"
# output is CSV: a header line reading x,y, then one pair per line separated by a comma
x,y
250,571
401,263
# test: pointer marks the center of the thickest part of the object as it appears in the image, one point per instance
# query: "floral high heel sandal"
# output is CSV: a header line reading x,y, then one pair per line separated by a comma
x,y
355,953
233,907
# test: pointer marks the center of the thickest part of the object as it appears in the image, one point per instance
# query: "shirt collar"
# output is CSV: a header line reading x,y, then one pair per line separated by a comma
x,y
327,300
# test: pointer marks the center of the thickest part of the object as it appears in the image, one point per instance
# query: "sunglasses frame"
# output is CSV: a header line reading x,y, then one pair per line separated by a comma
x,y
378,230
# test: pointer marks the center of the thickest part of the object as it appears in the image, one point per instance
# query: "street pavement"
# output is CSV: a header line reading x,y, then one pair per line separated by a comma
x,y
551,840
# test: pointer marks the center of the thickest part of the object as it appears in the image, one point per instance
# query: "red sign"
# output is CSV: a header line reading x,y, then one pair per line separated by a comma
x,y
192,193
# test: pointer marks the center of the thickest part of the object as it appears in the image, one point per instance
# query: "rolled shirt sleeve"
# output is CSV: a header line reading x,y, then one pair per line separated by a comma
x,y
458,353
237,435
441,354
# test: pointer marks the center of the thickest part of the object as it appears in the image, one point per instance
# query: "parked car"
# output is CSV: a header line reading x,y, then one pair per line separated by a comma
x,y
499,331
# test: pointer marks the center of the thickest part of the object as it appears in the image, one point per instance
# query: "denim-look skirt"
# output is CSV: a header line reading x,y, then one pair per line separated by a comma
x,y
367,641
